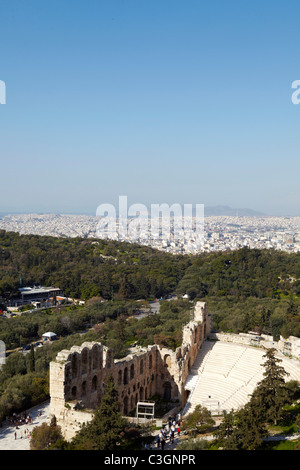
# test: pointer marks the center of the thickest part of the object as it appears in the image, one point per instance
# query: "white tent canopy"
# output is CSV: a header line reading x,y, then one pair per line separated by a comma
x,y
49,334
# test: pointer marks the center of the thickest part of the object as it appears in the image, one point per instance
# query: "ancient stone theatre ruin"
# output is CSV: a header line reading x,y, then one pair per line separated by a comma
x,y
78,375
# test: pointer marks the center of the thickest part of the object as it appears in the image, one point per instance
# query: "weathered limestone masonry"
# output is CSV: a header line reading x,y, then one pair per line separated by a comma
x,y
78,375
289,346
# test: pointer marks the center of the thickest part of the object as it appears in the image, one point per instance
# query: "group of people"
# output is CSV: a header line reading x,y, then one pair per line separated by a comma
x,y
167,432
19,419
20,434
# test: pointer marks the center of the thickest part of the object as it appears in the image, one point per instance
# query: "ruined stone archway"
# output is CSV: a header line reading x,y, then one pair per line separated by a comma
x,y
167,391
152,370
132,371
94,383
74,365
84,361
120,377
125,377
125,406
167,360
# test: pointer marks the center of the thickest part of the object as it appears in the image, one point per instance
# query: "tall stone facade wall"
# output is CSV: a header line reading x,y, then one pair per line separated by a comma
x,y
78,375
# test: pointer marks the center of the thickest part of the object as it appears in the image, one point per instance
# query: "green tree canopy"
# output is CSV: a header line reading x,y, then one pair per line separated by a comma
x,y
271,394
45,437
108,430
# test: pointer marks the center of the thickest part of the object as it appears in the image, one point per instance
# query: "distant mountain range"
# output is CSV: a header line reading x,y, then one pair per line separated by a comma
x,y
226,210
208,211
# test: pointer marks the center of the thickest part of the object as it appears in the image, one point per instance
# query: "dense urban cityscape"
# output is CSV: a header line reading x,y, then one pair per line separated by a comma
x,y
220,232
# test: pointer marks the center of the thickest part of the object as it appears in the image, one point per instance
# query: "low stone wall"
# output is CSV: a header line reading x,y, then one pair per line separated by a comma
x,y
71,420
289,347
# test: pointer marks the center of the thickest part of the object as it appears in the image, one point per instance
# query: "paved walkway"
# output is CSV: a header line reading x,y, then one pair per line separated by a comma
x,y
7,432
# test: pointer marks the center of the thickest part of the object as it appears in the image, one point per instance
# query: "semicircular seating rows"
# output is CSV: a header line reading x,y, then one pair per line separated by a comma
x,y
224,375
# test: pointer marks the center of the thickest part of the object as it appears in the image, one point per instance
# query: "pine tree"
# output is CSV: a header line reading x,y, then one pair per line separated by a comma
x,y
243,429
226,432
271,394
32,359
250,429
125,288
108,430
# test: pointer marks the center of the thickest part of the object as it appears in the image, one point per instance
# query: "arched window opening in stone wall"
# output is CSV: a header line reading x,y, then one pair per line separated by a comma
x,y
84,361
141,366
74,392
125,376
141,394
167,391
74,365
167,360
132,371
150,361
83,389
94,383
125,406
95,357
120,377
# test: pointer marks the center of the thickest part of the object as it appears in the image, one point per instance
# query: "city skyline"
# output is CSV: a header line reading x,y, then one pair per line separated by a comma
x,y
173,102
175,234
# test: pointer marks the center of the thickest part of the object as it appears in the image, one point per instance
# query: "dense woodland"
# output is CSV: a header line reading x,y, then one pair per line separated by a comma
x,y
86,268
244,290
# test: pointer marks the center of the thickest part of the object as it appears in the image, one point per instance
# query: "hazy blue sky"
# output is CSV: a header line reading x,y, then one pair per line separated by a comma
x,y
163,101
